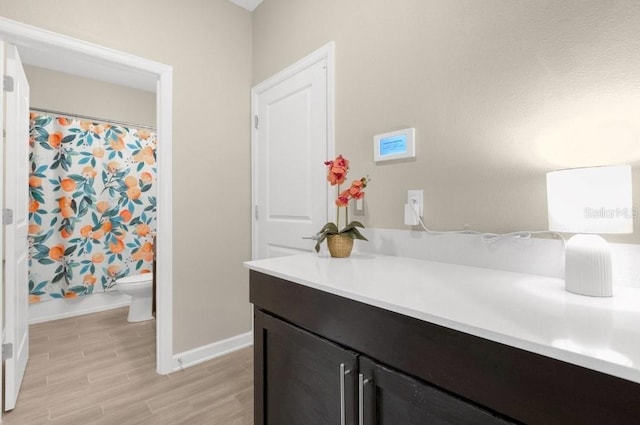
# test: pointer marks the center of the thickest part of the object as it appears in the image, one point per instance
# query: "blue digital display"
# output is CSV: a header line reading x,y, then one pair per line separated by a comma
x,y
394,145
400,144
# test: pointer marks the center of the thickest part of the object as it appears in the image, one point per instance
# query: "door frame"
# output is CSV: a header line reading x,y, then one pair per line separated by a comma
x,y
325,53
26,35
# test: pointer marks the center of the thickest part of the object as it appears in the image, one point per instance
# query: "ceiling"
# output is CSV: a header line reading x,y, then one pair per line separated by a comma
x,y
250,5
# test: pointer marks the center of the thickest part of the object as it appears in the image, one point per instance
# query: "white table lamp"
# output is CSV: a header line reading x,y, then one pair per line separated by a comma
x,y
588,202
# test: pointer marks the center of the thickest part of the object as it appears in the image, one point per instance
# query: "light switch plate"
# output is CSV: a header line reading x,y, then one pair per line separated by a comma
x,y
359,207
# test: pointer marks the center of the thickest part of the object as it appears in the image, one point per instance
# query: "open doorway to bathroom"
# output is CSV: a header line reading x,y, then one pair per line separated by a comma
x,y
93,192
92,223
54,51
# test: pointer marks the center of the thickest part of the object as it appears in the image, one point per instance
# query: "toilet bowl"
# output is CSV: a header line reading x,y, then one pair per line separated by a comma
x,y
140,288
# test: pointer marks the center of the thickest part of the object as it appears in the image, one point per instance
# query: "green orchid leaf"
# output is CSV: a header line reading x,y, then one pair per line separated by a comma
x,y
351,226
321,238
353,233
329,227
358,235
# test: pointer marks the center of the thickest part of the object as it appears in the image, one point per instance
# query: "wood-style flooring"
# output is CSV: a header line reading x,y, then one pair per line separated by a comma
x,y
99,369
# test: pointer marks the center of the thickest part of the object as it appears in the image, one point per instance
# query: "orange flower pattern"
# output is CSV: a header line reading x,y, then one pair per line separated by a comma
x,y
92,209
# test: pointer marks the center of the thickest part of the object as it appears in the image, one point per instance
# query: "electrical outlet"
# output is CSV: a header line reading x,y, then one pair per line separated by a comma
x,y
415,198
413,208
410,218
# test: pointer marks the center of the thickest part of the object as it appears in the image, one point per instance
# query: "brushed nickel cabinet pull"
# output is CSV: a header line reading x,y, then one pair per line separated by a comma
x,y
343,373
361,382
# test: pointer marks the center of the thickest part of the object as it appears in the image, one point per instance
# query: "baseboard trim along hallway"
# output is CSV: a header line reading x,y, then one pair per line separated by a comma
x,y
211,351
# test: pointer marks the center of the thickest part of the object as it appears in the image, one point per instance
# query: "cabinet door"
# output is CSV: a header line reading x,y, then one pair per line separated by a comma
x,y
392,398
298,377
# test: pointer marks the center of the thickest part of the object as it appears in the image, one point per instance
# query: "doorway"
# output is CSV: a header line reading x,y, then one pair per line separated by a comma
x,y
74,139
292,135
52,49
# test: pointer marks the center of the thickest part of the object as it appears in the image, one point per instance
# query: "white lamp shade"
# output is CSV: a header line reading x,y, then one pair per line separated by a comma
x,y
590,200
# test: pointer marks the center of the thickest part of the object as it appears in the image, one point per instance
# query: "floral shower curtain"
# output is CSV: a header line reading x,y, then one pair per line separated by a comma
x,y
92,211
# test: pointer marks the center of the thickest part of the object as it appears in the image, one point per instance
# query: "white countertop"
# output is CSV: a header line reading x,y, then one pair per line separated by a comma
x,y
526,311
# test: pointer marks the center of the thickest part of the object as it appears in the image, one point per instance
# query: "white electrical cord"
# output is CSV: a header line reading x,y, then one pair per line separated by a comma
x,y
487,238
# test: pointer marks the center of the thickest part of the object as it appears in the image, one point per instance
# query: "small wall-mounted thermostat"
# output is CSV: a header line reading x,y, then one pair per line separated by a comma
x,y
399,144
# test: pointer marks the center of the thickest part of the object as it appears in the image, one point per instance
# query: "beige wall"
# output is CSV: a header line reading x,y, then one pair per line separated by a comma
x,y
208,43
499,92
83,96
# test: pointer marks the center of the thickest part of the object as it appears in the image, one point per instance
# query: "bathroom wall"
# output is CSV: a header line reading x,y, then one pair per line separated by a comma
x,y
499,91
72,94
208,43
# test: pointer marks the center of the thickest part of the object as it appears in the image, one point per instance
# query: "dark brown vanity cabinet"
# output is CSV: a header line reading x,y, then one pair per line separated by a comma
x,y
303,379
313,350
392,398
300,378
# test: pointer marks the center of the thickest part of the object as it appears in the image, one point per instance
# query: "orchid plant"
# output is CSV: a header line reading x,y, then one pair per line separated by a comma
x,y
336,176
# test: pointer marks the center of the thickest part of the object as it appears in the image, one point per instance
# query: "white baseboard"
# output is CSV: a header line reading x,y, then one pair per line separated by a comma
x,y
62,308
211,351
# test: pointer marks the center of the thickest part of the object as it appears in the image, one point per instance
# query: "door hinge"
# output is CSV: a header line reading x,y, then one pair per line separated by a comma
x,y
256,212
7,216
256,123
7,351
7,83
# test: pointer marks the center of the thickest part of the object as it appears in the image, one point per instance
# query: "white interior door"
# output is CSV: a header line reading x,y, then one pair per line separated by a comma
x,y
292,137
16,200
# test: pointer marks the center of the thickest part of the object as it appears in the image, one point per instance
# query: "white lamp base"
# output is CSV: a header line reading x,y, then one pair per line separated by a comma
x,y
588,266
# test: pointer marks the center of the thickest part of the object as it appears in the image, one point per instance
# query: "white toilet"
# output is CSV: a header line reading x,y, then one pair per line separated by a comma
x,y
140,288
